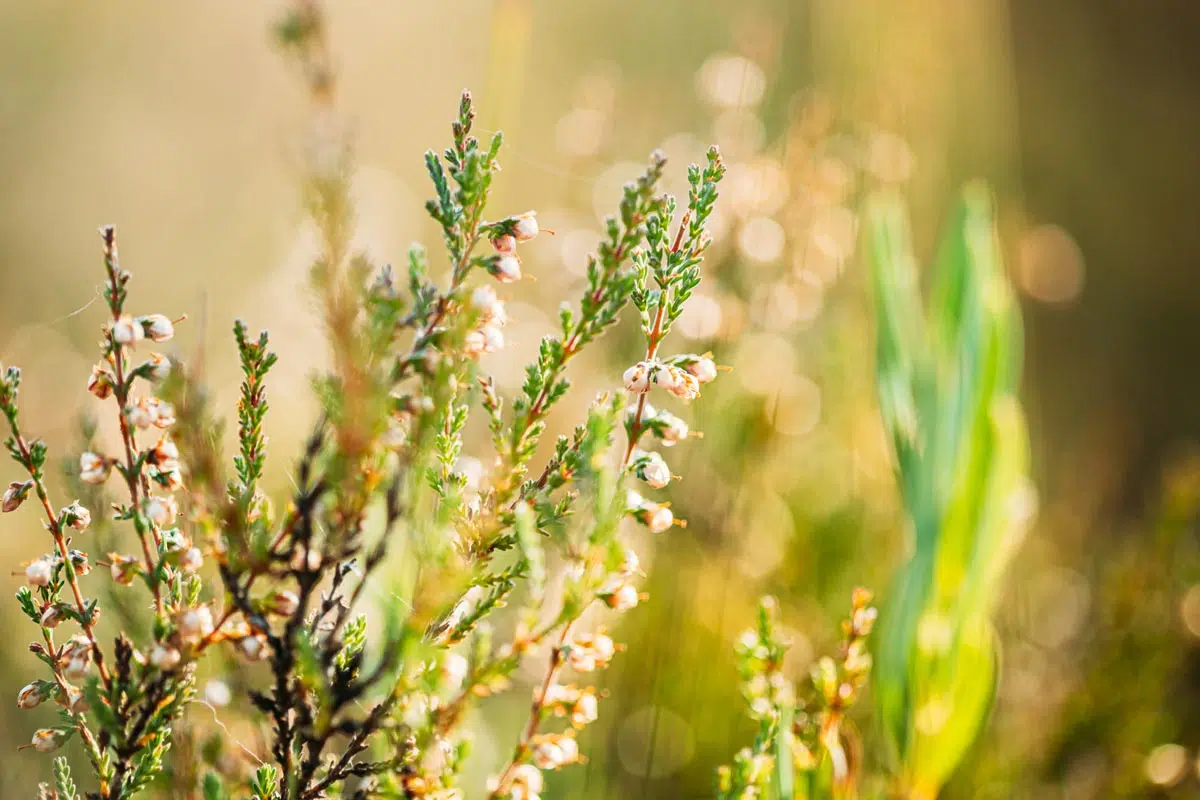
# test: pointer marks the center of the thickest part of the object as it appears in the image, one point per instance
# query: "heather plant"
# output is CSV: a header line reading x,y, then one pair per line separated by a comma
x,y
364,616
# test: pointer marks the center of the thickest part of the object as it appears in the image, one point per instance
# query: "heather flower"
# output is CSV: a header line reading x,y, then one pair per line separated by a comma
x,y
158,367
47,740
123,568
253,648
490,307
76,516
624,598
191,560
39,572
157,327
505,244
554,750
51,616
94,468
703,369
165,657
526,226
195,624
126,331
637,378
32,695
672,429
651,468
161,510
505,267
100,382
15,495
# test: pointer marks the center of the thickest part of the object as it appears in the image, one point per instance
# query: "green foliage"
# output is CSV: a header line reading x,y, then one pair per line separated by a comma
x,y
947,383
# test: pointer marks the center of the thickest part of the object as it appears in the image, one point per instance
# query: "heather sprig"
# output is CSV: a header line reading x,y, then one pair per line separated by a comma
x,y
802,746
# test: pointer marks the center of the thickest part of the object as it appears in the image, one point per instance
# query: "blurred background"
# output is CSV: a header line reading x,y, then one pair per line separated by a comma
x,y
182,124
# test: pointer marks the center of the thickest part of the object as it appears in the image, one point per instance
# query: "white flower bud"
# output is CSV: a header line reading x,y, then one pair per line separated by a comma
x,y
141,414
637,378
506,268
654,471
493,339
77,516
157,327
604,647
51,616
624,598
528,778
78,666
659,519
162,510
39,572
217,693
30,696
454,669
548,755
253,648
191,560
703,370
586,710
195,624
47,740
674,429
158,367
15,494
631,562
94,468
124,568
526,226
164,413
490,307
127,331
164,657
505,243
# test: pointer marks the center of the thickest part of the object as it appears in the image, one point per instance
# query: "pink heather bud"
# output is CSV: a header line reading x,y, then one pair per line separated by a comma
x,y
94,468
51,616
158,367
526,226
283,603
703,369
164,657
77,516
157,327
100,382
659,519
253,648
31,696
623,599
47,740
126,331
506,268
637,378
505,243
39,572
191,560
15,494
162,511
195,623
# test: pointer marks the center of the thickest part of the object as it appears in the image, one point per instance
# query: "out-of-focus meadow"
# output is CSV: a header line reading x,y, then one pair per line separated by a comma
x,y
182,125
